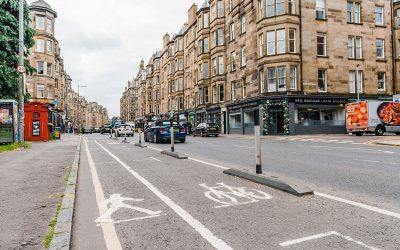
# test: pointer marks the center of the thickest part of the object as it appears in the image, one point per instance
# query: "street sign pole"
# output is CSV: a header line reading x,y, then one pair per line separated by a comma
x,y
21,116
257,135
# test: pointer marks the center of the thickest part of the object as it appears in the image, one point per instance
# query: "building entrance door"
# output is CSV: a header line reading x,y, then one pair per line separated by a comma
x,y
276,123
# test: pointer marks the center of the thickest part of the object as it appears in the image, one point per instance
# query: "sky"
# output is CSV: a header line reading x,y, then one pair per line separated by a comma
x,y
103,41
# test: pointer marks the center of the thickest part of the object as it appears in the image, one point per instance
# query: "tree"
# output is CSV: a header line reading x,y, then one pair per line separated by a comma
x,y
9,46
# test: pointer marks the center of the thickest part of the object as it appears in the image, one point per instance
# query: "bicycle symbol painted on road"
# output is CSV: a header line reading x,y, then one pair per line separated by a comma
x,y
233,196
116,202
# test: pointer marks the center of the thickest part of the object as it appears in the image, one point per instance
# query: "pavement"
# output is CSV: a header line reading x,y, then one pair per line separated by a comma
x,y
31,184
136,198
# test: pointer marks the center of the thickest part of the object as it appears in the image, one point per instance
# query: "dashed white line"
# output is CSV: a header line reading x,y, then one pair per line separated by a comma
x,y
194,223
208,163
360,149
382,162
155,159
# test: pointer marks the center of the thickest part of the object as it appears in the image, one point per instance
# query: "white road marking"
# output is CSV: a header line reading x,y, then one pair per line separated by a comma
x,y
109,233
158,149
343,142
317,236
155,159
200,228
233,196
244,147
360,205
116,202
383,162
208,163
361,149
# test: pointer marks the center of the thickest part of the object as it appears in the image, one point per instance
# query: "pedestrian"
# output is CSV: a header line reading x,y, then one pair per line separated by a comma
x,y
189,125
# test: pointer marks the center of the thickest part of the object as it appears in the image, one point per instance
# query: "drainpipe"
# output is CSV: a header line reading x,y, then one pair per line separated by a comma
x,y
301,48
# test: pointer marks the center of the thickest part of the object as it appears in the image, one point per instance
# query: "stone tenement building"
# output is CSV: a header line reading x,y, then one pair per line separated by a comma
x,y
290,64
50,83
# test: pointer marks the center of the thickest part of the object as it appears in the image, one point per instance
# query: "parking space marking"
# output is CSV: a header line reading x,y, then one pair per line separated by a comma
x,y
360,149
317,236
360,205
383,162
194,223
109,233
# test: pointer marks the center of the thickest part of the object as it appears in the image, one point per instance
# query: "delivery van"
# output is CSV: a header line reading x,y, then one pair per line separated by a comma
x,y
375,117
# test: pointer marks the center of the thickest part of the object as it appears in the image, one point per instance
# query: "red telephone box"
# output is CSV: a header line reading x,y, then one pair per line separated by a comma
x,y
36,122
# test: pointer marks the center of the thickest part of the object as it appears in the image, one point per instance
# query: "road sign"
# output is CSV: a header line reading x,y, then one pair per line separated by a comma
x,y
21,69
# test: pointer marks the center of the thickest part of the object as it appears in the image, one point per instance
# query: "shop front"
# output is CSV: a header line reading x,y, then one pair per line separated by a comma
x,y
297,115
201,116
214,115
243,116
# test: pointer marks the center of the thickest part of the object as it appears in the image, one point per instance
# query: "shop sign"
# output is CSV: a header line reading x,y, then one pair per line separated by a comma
x,y
200,111
244,105
301,100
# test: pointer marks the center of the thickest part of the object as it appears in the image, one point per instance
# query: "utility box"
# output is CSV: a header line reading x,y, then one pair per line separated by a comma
x,y
36,122
8,121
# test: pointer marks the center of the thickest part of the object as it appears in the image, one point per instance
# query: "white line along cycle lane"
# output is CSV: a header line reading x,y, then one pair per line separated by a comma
x,y
189,219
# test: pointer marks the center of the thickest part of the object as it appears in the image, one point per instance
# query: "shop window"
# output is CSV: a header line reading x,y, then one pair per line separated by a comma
x,y
235,121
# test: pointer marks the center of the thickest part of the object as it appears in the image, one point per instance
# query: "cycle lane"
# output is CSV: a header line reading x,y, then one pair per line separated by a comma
x,y
282,221
146,223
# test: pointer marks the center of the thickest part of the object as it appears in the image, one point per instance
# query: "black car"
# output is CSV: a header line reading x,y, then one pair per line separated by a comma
x,y
106,128
206,129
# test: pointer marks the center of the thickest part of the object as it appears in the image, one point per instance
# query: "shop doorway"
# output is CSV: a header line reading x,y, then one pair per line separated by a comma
x,y
276,123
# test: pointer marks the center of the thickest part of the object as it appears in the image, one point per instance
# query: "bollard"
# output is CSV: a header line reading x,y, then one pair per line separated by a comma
x,y
125,136
171,130
257,135
140,136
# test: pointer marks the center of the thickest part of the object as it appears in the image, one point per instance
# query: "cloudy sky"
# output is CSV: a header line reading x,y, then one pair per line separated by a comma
x,y
103,41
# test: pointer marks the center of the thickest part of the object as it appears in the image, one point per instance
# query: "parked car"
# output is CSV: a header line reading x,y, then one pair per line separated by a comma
x,y
106,128
87,130
206,129
96,130
160,131
124,129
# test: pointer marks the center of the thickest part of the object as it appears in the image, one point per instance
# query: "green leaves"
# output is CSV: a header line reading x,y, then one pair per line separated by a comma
x,y
9,46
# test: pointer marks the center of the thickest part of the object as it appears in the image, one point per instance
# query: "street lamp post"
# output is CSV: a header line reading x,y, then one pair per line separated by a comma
x,y
21,74
78,108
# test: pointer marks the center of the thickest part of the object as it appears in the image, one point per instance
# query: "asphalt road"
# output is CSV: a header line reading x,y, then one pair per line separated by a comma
x,y
191,204
347,166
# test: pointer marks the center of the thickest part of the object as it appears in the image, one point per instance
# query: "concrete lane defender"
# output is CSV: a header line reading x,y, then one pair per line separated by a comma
x,y
160,132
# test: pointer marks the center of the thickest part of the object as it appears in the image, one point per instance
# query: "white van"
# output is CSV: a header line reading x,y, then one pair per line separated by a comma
x,y
375,117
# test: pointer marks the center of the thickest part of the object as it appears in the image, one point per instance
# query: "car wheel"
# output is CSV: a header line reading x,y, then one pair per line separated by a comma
x,y
182,140
155,138
397,133
145,138
202,134
117,134
379,131
216,135
359,133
